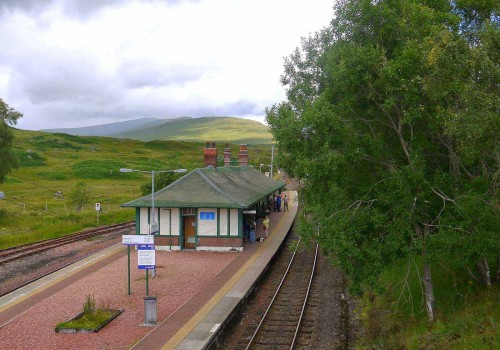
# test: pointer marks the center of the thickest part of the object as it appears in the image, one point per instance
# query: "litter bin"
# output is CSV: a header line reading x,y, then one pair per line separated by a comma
x,y
149,311
252,235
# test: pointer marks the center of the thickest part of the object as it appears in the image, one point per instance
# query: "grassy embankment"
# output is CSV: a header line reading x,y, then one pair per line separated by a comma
x,y
467,314
51,163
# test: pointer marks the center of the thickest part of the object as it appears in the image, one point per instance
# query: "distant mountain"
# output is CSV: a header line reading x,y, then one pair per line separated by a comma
x,y
109,129
222,129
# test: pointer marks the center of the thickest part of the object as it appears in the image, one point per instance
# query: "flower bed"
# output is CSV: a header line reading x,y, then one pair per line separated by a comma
x,y
88,322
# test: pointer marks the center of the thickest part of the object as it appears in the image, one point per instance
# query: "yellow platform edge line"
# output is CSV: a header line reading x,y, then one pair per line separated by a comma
x,y
193,322
43,287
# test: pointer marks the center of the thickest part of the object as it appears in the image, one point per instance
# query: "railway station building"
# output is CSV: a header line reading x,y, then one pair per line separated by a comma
x,y
206,208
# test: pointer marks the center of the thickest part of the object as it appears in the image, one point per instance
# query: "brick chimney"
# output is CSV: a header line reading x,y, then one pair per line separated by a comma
x,y
210,154
227,155
243,155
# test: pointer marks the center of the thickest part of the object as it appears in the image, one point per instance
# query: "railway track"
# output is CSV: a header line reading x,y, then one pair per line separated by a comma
x,y
11,254
281,323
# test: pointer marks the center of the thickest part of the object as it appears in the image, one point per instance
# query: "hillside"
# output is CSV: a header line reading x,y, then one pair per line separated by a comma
x,y
38,193
222,129
109,129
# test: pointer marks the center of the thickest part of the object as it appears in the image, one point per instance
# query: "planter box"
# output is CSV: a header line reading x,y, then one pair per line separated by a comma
x,y
115,314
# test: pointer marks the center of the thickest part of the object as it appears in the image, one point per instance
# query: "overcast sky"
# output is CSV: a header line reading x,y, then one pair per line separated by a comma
x,y
73,63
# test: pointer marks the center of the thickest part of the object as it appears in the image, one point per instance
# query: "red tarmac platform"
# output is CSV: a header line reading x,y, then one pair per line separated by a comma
x,y
196,292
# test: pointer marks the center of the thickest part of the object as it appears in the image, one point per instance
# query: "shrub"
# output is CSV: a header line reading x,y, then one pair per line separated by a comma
x,y
73,138
30,159
102,169
89,305
43,143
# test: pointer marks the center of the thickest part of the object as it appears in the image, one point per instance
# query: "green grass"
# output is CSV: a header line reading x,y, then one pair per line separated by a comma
x,y
89,320
101,169
48,142
53,176
30,159
467,315
34,226
33,210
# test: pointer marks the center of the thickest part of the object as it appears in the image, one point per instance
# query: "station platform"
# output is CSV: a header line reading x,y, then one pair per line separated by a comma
x,y
194,321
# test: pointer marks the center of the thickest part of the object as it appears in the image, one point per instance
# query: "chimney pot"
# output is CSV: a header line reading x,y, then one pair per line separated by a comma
x,y
210,154
243,155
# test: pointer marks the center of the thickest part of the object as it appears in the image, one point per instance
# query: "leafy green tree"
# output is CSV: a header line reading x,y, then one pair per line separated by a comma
x,y
8,117
80,195
392,123
161,180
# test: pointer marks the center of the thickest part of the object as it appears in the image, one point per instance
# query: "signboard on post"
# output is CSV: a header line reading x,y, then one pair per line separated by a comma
x,y
98,206
138,239
154,228
146,257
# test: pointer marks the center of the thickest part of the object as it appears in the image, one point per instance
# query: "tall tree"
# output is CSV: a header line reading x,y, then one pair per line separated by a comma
x,y
385,122
8,117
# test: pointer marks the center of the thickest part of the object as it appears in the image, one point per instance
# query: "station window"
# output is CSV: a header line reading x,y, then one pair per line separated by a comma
x,y
188,211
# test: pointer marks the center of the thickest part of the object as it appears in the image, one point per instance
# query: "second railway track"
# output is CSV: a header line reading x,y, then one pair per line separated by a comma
x,y
11,254
25,264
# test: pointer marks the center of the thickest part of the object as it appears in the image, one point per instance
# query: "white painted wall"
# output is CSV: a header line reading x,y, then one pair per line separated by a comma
x,y
207,227
143,220
165,221
234,223
223,222
175,225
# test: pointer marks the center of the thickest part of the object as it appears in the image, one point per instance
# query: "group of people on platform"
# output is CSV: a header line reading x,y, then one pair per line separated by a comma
x,y
277,201
250,226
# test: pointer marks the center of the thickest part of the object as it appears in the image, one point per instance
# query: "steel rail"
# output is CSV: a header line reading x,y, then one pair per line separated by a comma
x,y
273,298
306,298
14,253
285,275
48,273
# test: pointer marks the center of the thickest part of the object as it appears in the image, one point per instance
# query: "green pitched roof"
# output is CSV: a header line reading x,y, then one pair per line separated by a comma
x,y
225,187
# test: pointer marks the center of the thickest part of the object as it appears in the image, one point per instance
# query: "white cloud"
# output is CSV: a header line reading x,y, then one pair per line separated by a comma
x,y
75,62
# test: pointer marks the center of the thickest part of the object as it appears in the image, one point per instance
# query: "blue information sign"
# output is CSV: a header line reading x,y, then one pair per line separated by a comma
x,y
146,257
207,215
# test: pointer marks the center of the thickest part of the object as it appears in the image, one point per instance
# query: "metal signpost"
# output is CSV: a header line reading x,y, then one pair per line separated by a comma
x,y
137,240
153,226
98,209
146,260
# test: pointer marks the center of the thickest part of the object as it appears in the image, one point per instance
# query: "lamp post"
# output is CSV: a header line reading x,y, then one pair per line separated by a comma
x,y
152,226
152,172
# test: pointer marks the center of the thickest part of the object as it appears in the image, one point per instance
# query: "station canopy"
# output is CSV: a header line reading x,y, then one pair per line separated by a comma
x,y
224,187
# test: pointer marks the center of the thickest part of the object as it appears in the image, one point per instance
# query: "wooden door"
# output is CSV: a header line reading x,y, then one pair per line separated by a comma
x,y
189,232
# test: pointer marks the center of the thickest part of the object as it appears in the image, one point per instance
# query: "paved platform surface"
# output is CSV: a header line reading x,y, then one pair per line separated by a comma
x,y
195,321
16,303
